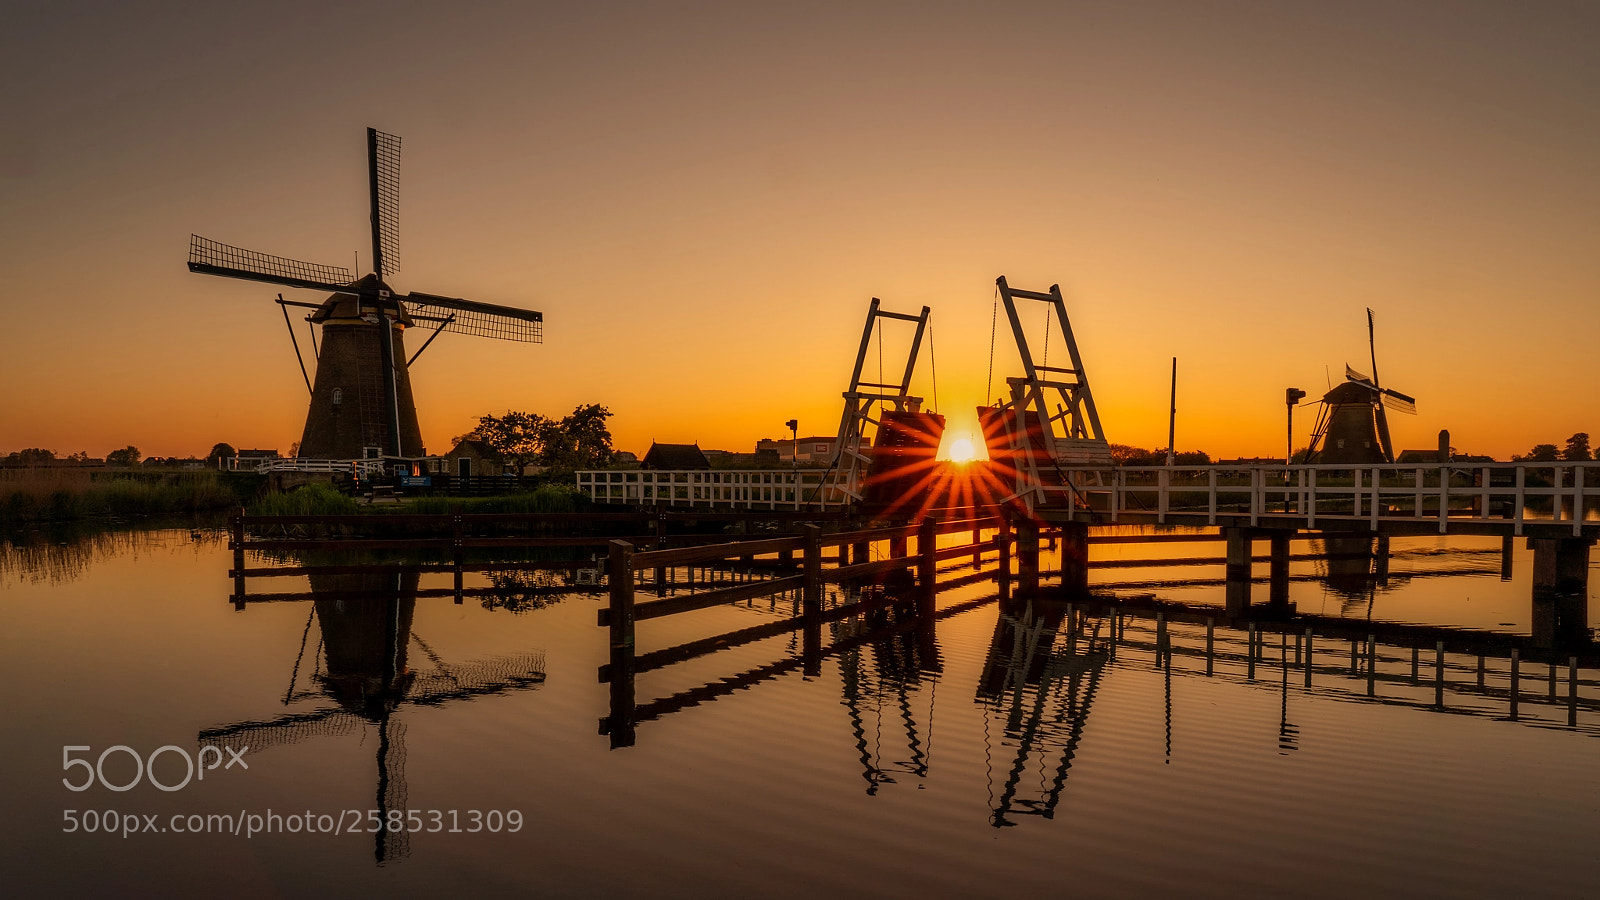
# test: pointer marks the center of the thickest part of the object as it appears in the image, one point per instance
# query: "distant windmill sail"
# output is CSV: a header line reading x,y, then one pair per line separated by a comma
x,y
1354,375
1399,402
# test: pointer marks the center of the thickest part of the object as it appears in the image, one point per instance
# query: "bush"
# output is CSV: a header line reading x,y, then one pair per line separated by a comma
x,y
315,499
548,499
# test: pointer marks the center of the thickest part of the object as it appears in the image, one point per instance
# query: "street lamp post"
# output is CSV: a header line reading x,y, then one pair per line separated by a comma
x,y
794,442
1291,397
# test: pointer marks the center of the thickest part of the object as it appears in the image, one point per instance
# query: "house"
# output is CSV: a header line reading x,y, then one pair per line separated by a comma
x,y
729,459
674,456
250,460
813,450
472,457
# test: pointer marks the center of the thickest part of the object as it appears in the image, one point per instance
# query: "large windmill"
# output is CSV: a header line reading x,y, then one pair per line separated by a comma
x,y
1354,425
361,404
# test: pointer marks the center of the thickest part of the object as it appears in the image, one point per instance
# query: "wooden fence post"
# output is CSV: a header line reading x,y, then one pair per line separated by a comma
x,y
238,560
620,575
1002,540
660,573
927,563
457,551
812,601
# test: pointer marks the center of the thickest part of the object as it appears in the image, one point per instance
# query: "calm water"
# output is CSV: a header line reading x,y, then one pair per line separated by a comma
x,y
1001,749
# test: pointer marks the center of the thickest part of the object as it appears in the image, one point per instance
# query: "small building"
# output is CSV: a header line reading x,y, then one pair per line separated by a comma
x,y
730,459
815,450
249,460
624,459
472,457
674,456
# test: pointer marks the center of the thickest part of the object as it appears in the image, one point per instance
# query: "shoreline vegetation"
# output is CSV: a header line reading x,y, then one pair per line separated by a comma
x,y
32,497
63,494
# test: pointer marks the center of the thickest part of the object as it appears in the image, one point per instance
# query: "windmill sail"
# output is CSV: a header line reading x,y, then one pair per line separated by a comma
x,y
1354,375
490,320
216,258
1399,402
383,162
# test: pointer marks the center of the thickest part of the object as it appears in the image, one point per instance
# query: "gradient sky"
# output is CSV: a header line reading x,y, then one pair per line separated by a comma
x,y
703,197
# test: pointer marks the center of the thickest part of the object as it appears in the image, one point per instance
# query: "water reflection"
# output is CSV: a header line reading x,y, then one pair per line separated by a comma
x,y
363,663
64,552
1038,687
880,681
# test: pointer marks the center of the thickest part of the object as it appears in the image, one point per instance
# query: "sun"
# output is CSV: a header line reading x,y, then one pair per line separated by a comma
x,y
962,451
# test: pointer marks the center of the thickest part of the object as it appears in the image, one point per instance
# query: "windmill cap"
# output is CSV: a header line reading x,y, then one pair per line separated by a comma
x,y
348,306
1350,392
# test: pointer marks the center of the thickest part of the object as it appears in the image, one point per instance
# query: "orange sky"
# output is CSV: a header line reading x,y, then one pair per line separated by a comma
x,y
702,198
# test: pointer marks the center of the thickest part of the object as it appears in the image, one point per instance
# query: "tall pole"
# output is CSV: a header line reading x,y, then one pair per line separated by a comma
x,y
1172,417
1291,397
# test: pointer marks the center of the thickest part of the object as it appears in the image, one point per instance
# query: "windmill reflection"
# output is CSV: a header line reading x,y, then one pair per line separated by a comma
x,y
363,664
1039,683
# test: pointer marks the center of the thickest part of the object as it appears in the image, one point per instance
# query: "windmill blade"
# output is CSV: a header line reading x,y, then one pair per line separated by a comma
x,y
1399,402
1353,375
210,257
383,169
287,729
506,323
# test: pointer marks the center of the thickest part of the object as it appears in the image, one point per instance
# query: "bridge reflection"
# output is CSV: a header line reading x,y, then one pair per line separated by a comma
x,y
1049,657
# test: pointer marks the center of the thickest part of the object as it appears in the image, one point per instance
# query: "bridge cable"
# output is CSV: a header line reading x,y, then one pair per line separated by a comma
x,y
994,318
1046,336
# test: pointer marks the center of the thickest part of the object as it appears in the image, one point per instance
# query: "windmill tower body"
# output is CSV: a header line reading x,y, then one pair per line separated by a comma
x,y
1352,430
349,416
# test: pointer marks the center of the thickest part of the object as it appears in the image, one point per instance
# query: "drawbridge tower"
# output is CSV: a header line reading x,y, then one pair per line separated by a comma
x,y
1030,443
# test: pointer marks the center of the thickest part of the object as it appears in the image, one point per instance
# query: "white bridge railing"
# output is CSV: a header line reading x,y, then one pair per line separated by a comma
x,y
734,488
1543,492
367,467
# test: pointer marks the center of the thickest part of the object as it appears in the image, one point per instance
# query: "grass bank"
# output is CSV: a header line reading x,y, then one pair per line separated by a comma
x,y
66,494
548,499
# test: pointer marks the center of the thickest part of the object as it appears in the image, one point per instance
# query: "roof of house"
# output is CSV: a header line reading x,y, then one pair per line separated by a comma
x,y
474,446
675,456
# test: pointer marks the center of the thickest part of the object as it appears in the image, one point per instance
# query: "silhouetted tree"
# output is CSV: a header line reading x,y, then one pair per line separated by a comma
x,y
578,441
220,452
517,436
33,456
1577,447
1539,453
127,456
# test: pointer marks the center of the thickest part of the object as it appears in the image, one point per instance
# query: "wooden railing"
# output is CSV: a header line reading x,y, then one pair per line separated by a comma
x,y
1547,493
625,610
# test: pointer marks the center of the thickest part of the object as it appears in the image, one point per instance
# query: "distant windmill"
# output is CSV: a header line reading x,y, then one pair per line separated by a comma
x,y
361,405
1354,426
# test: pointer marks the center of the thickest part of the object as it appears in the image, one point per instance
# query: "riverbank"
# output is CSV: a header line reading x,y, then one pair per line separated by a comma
x,y
38,495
